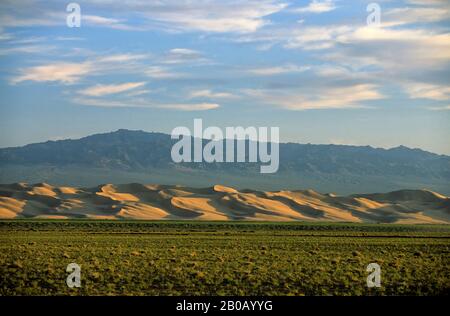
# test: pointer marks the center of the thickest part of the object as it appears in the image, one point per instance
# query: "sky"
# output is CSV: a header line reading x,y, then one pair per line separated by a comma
x,y
323,71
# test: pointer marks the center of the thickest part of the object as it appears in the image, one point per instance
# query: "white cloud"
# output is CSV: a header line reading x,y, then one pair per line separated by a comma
x,y
158,72
428,2
334,98
29,40
417,49
397,51
315,37
408,48
120,58
410,15
140,103
333,71
100,90
66,73
317,6
346,97
138,92
28,49
5,36
400,55
70,72
18,14
95,20
69,38
215,16
182,55
210,94
427,91
191,107
99,20
276,70
27,21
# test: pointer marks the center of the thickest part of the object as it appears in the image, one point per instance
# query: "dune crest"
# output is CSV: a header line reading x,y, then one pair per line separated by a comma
x,y
165,202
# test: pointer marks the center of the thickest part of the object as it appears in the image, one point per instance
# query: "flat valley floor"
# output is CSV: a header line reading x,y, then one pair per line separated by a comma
x,y
222,258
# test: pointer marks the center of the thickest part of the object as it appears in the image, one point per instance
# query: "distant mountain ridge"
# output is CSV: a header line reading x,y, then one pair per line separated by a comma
x,y
137,156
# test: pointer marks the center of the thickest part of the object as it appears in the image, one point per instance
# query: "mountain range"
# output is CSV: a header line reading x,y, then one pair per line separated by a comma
x,y
126,156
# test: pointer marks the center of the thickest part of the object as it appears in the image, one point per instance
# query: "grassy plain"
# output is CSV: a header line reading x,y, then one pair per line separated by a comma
x,y
222,258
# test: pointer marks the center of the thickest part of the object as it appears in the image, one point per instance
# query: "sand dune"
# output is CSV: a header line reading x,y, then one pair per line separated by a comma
x,y
163,202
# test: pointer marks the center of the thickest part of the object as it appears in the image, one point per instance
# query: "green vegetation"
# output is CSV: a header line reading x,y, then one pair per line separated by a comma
x,y
221,258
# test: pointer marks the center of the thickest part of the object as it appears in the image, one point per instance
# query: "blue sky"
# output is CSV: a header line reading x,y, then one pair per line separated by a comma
x,y
314,68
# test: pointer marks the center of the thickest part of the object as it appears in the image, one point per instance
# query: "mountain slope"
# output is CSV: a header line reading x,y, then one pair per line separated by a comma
x,y
130,156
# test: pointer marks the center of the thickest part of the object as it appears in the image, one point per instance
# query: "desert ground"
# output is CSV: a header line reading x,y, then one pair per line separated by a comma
x,y
164,202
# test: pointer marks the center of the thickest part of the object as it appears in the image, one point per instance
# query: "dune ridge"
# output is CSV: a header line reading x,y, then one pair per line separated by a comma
x,y
165,202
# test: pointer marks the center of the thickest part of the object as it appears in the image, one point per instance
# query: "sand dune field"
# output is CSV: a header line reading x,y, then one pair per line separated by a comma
x,y
163,202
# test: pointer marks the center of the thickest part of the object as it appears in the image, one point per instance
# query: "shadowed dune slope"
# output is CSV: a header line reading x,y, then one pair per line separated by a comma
x,y
162,202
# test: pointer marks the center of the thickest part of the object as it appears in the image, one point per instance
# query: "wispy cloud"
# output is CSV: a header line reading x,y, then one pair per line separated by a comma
x,y
28,49
417,90
69,38
353,46
428,2
138,92
347,97
70,72
141,103
160,72
101,90
317,6
181,56
8,21
399,54
66,73
409,48
5,36
214,16
413,15
315,37
210,94
191,106
120,58
29,40
95,20
276,70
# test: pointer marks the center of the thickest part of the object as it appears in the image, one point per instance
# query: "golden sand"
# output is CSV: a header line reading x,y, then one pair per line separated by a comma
x,y
162,202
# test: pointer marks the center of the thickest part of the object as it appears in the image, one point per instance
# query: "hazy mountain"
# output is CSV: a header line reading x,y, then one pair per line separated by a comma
x,y
136,156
